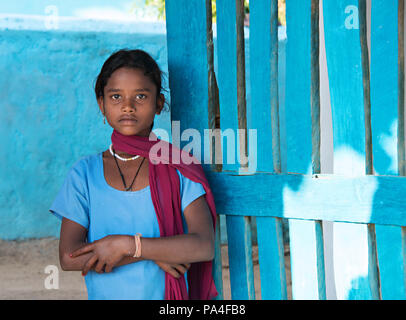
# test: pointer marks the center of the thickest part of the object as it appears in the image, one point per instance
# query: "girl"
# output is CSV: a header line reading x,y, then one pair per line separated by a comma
x,y
132,224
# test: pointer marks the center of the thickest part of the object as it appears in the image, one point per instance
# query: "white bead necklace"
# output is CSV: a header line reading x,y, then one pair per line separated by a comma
x,y
118,157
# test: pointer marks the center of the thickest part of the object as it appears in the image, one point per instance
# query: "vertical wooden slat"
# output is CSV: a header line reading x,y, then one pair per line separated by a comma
x,y
387,96
401,88
213,103
213,110
354,259
186,41
190,44
231,67
307,263
315,85
303,133
227,75
271,259
264,85
217,263
366,86
275,88
241,99
240,255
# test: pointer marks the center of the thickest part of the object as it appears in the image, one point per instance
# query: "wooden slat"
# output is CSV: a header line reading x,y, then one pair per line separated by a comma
x,y
186,41
217,263
239,248
271,259
231,61
386,72
260,78
213,111
307,263
213,94
401,88
303,137
355,267
227,76
264,98
305,197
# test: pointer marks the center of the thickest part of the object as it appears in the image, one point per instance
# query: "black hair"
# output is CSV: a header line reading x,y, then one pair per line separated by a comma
x,y
125,58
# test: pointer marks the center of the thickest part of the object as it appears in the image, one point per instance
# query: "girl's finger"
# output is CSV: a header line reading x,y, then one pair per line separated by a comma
x,y
181,268
99,266
83,250
89,265
108,268
186,265
174,273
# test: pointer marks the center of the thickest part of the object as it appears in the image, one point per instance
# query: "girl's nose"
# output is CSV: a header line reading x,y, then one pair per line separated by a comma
x,y
128,103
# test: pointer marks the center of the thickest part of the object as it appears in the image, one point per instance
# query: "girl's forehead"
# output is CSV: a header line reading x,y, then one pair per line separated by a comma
x,y
129,78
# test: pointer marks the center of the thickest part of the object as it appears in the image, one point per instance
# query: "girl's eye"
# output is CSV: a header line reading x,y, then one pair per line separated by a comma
x,y
115,96
141,96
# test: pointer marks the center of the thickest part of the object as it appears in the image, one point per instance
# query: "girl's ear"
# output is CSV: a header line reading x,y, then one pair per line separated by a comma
x,y
100,103
160,103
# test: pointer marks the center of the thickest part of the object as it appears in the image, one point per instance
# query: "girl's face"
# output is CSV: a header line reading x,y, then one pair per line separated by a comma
x,y
130,102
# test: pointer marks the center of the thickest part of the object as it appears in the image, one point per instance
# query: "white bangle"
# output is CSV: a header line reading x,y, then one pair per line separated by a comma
x,y
137,238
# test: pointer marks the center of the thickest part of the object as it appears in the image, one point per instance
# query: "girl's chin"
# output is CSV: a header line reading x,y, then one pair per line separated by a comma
x,y
129,132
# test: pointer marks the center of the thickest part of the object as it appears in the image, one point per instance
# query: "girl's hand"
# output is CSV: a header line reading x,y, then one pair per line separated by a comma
x,y
176,270
107,252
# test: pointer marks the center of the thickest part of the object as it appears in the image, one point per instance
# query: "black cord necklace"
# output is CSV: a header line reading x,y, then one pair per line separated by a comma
x,y
121,174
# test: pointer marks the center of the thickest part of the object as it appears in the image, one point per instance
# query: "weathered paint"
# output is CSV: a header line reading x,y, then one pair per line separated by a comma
x,y
269,230
302,100
233,116
385,116
355,279
311,193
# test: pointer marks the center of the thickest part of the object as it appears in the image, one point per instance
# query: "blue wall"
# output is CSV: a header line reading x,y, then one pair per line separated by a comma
x,y
49,116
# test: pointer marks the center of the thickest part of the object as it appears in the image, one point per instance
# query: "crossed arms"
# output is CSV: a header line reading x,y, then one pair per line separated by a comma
x,y
172,254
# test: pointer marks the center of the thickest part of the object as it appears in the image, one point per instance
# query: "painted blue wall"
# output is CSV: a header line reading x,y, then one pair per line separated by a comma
x,y
49,116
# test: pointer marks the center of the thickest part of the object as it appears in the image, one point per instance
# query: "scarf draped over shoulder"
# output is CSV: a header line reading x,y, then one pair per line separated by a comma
x,y
164,158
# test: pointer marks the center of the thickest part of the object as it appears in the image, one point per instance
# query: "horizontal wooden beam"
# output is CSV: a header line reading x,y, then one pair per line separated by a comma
x,y
360,199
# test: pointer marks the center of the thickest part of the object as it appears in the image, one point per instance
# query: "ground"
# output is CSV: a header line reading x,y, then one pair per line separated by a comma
x,y
23,275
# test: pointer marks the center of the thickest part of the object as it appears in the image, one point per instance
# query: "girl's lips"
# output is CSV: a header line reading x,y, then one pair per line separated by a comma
x,y
128,121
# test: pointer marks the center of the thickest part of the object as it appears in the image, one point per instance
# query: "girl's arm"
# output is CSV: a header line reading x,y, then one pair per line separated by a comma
x,y
73,237
196,246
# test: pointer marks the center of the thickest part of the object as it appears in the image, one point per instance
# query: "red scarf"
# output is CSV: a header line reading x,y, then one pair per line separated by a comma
x,y
165,193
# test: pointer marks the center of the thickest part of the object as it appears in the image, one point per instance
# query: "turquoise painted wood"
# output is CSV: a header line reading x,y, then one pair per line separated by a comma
x,y
217,263
311,193
227,78
307,260
238,227
368,211
269,229
354,266
186,33
385,101
240,258
271,258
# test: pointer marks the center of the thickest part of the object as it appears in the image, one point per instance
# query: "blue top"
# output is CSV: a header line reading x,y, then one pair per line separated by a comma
x,y
87,199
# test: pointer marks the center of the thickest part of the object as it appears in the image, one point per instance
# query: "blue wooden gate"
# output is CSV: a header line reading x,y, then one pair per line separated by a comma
x,y
363,198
